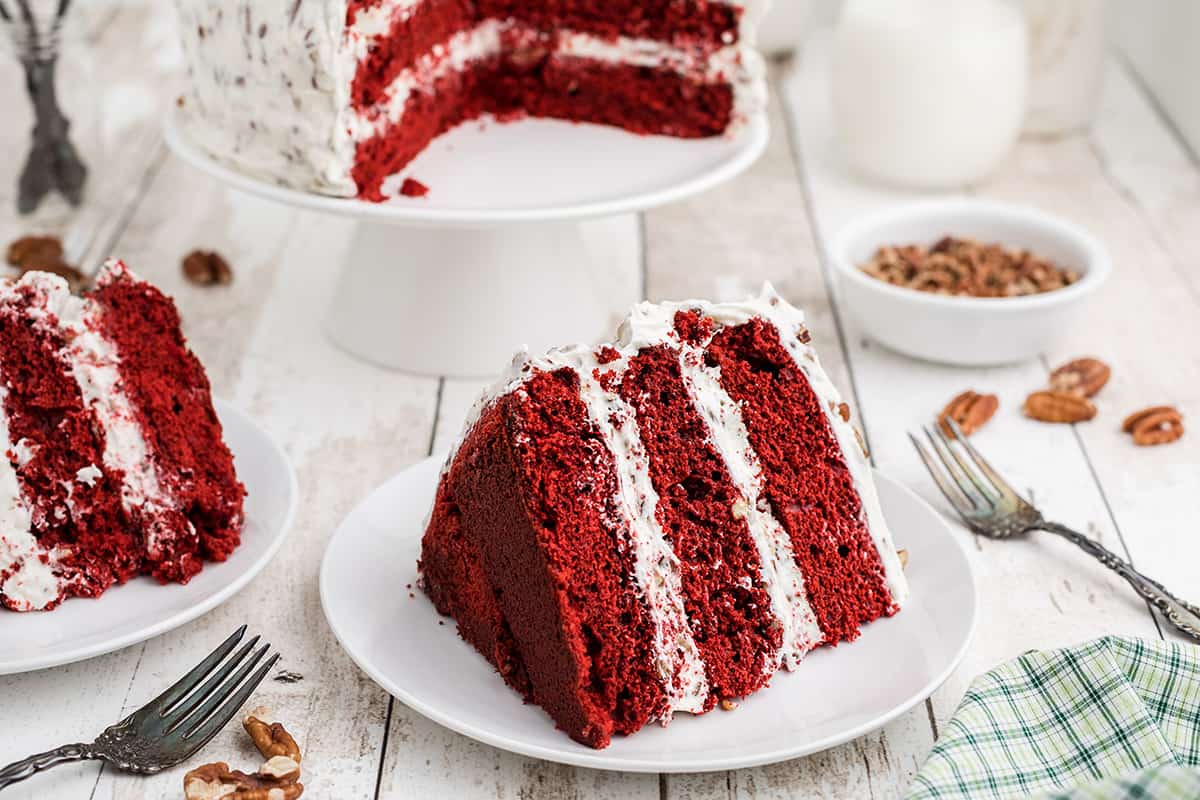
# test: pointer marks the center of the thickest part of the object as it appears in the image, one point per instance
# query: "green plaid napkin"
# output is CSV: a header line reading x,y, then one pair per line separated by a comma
x,y
1112,718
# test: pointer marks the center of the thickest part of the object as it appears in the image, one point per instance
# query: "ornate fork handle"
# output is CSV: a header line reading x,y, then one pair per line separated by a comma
x,y
27,767
1181,614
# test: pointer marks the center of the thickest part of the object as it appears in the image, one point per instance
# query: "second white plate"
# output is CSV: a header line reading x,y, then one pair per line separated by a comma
x,y
81,628
836,695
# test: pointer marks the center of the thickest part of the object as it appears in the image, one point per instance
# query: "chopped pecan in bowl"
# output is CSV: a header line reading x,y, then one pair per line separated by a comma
x,y
967,304
966,267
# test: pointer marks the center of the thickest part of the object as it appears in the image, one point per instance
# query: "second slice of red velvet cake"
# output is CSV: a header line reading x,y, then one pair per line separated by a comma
x,y
663,523
114,464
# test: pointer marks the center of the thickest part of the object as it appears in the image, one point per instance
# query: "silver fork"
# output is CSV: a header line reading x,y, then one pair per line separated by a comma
x,y
990,507
174,725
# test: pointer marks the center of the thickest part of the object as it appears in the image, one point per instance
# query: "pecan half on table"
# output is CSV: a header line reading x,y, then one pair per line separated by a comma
x,y
1083,376
1154,425
970,411
1058,406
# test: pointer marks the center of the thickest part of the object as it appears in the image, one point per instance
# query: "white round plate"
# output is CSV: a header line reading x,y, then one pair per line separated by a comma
x,y
141,609
837,694
532,170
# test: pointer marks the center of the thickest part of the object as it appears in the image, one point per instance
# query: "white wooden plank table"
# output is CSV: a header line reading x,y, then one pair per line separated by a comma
x,y
347,426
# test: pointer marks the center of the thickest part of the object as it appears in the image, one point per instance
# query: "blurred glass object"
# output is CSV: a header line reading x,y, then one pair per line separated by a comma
x,y
1068,48
34,28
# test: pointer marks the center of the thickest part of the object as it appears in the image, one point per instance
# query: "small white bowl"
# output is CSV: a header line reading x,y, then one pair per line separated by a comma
x,y
966,331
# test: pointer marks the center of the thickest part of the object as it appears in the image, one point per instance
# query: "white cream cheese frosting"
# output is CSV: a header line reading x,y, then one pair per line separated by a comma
x,y
779,573
656,567
27,578
95,364
651,323
270,82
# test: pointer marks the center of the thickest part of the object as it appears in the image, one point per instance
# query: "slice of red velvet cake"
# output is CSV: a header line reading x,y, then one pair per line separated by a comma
x,y
114,463
335,96
663,523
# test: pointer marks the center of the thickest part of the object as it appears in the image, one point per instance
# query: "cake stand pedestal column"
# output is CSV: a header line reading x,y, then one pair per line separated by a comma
x,y
459,301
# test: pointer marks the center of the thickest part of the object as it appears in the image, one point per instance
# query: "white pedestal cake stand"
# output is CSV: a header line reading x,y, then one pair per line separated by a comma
x,y
508,248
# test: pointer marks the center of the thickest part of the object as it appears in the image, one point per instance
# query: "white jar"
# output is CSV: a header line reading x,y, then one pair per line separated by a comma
x,y
928,93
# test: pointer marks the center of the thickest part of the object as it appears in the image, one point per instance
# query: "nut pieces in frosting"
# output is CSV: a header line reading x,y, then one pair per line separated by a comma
x,y
278,778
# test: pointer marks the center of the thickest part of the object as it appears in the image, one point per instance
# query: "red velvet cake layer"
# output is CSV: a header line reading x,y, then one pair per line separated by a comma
x,y
48,422
727,608
694,23
456,98
639,99
535,485
411,37
454,579
808,484
171,397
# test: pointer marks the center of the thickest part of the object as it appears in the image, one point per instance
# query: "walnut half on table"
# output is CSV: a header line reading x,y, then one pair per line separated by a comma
x,y
278,778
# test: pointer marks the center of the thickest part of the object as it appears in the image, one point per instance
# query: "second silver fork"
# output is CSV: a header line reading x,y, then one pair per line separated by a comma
x,y
174,725
992,508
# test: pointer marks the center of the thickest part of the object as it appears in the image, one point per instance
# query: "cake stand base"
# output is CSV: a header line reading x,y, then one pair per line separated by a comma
x,y
461,301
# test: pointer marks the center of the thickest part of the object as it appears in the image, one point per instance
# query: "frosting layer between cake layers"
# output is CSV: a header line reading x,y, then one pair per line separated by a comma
x,y
312,94
687,344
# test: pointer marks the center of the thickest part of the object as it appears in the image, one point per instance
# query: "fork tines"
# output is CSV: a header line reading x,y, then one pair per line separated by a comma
x,y
968,487
197,706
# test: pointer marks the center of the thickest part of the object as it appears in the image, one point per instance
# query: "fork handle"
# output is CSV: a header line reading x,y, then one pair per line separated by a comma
x,y
1180,613
27,767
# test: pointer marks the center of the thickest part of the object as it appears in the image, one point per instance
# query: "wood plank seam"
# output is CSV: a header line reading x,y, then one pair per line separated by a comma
x,y
387,725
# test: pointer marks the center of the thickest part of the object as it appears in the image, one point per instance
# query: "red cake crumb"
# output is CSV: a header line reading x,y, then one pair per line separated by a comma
x,y
807,482
413,188
692,327
720,567
607,355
